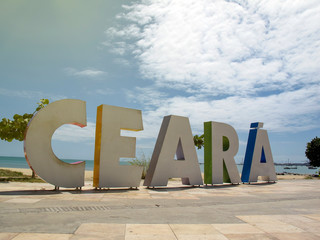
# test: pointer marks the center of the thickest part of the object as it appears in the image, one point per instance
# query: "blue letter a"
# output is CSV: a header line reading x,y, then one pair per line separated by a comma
x,y
258,159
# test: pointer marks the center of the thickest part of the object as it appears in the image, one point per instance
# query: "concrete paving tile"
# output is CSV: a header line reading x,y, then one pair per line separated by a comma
x,y
193,229
249,237
304,219
42,236
313,216
135,192
7,236
295,236
150,237
148,229
140,196
158,192
184,196
300,210
263,192
99,236
86,237
302,222
242,228
24,200
309,227
161,197
294,219
101,229
88,198
218,195
202,237
3,199
278,228
199,192
115,196
242,194
259,219
67,199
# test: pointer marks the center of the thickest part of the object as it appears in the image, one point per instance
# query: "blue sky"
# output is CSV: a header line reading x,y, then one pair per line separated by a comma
x,y
235,62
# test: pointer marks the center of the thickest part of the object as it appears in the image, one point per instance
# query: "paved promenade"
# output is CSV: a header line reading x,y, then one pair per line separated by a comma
x,y
289,209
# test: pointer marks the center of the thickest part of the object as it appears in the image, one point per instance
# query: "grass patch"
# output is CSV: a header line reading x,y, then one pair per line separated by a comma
x,y
311,177
14,176
142,162
24,179
9,173
308,177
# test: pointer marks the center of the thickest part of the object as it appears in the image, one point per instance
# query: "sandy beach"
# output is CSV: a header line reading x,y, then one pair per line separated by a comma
x,y
89,174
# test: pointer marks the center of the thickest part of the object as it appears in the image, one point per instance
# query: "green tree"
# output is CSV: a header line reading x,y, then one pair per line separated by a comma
x,y
199,142
15,129
313,152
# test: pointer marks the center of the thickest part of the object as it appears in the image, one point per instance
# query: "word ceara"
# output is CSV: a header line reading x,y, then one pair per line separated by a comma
x,y
174,139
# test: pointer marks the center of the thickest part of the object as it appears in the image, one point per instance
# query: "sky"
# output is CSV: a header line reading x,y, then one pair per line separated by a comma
x,y
235,62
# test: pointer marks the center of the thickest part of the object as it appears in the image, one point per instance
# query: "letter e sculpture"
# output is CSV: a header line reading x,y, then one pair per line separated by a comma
x,y
110,147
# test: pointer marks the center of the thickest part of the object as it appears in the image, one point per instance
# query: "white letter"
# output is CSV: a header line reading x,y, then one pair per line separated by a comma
x,y
110,146
37,143
217,162
258,160
175,137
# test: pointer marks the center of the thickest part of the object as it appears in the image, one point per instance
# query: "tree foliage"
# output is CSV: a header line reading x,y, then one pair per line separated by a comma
x,y
313,152
199,142
15,129
142,162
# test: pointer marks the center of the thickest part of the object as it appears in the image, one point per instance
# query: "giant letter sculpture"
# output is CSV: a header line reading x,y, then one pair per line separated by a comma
x,y
110,147
220,165
258,159
175,138
37,143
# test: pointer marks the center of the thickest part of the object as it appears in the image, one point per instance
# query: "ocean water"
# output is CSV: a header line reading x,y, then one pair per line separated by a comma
x,y
281,169
20,162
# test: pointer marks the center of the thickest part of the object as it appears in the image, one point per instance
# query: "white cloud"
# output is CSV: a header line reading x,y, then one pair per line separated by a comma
x,y
72,133
30,94
76,134
122,61
104,92
235,62
278,112
150,97
89,72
